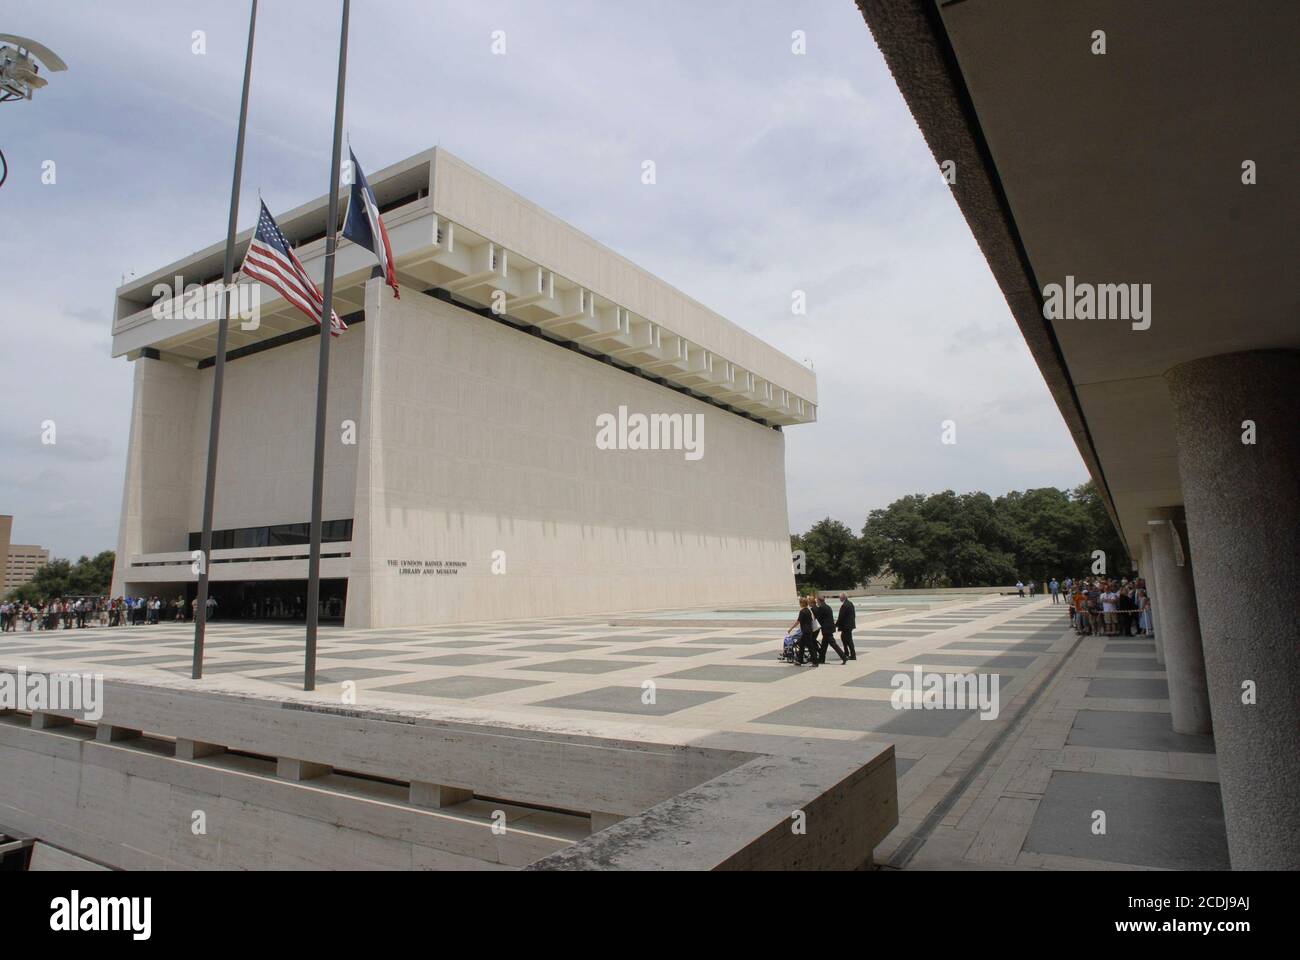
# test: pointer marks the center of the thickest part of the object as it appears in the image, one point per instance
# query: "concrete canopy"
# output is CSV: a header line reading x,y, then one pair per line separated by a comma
x,y
1118,168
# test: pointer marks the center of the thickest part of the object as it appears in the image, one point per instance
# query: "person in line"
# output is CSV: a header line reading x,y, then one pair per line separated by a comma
x,y
1081,623
826,617
806,648
846,622
1110,608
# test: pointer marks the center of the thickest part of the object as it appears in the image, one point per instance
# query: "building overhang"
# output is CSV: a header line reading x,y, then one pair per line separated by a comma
x,y
455,230
1117,168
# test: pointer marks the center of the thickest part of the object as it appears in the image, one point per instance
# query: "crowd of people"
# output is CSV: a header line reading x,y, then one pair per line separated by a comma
x,y
1104,607
74,613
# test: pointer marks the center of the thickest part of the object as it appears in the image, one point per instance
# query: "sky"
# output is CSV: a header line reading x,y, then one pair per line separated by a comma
x,y
775,172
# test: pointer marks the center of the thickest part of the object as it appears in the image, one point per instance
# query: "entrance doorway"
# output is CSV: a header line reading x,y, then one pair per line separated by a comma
x,y
274,600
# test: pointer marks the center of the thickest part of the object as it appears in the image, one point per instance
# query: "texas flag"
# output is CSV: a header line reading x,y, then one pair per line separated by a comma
x,y
364,227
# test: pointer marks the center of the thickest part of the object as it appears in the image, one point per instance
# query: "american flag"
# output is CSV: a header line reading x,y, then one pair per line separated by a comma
x,y
271,260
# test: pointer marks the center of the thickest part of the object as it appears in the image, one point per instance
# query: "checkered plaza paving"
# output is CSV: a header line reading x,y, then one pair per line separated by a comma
x,y
1083,724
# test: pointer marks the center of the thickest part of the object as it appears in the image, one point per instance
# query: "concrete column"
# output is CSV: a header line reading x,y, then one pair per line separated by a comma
x,y
1243,521
1153,589
1189,700
599,820
48,721
107,733
196,749
437,795
290,768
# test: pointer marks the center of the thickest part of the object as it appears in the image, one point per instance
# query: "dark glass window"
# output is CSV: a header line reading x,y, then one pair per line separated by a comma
x,y
279,535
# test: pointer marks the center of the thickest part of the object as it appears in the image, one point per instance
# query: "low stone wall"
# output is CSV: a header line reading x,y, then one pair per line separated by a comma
x,y
171,777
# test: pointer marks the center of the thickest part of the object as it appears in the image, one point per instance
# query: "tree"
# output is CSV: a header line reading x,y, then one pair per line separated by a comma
x,y
832,555
88,577
1099,532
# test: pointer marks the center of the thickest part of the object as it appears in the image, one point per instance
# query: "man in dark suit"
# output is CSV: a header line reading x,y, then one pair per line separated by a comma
x,y
826,617
846,623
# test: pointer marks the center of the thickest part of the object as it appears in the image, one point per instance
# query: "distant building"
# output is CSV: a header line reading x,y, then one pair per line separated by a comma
x,y
20,561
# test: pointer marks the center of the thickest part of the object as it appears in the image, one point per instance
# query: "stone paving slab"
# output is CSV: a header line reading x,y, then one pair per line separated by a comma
x,y
1004,661
730,673
629,700
842,713
682,651
577,665
460,659
551,648
1130,664
1127,688
1172,824
460,687
1128,730
995,645
329,675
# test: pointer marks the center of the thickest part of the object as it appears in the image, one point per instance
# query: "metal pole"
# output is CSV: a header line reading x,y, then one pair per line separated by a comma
x,y
219,367
322,372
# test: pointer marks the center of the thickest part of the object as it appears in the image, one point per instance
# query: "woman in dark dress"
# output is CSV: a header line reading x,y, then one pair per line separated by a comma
x,y
807,633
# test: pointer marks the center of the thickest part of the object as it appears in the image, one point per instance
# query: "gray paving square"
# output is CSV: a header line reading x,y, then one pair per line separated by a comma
x,y
64,654
457,644
211,666
551,648
332,674
1150,821
843,713
579,665
459,688
143,660
1002,661
1130,646
732,638
370,654
1139,664
459,659
614,638
996,645
679,651
876,680
735,673
1130,730
362,640
1127,688
628,700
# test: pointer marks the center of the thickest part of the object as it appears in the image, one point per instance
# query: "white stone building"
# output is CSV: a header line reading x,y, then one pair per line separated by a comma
x,y
463,478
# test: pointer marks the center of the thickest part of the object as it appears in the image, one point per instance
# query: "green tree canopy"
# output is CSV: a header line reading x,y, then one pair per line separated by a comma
x,y
831,555
88,577
969,540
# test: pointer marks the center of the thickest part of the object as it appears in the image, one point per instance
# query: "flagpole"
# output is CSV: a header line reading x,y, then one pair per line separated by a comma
x,y
219,365
322,373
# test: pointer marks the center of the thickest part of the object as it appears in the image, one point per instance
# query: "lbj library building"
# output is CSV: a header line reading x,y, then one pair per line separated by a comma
x,y
537,427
